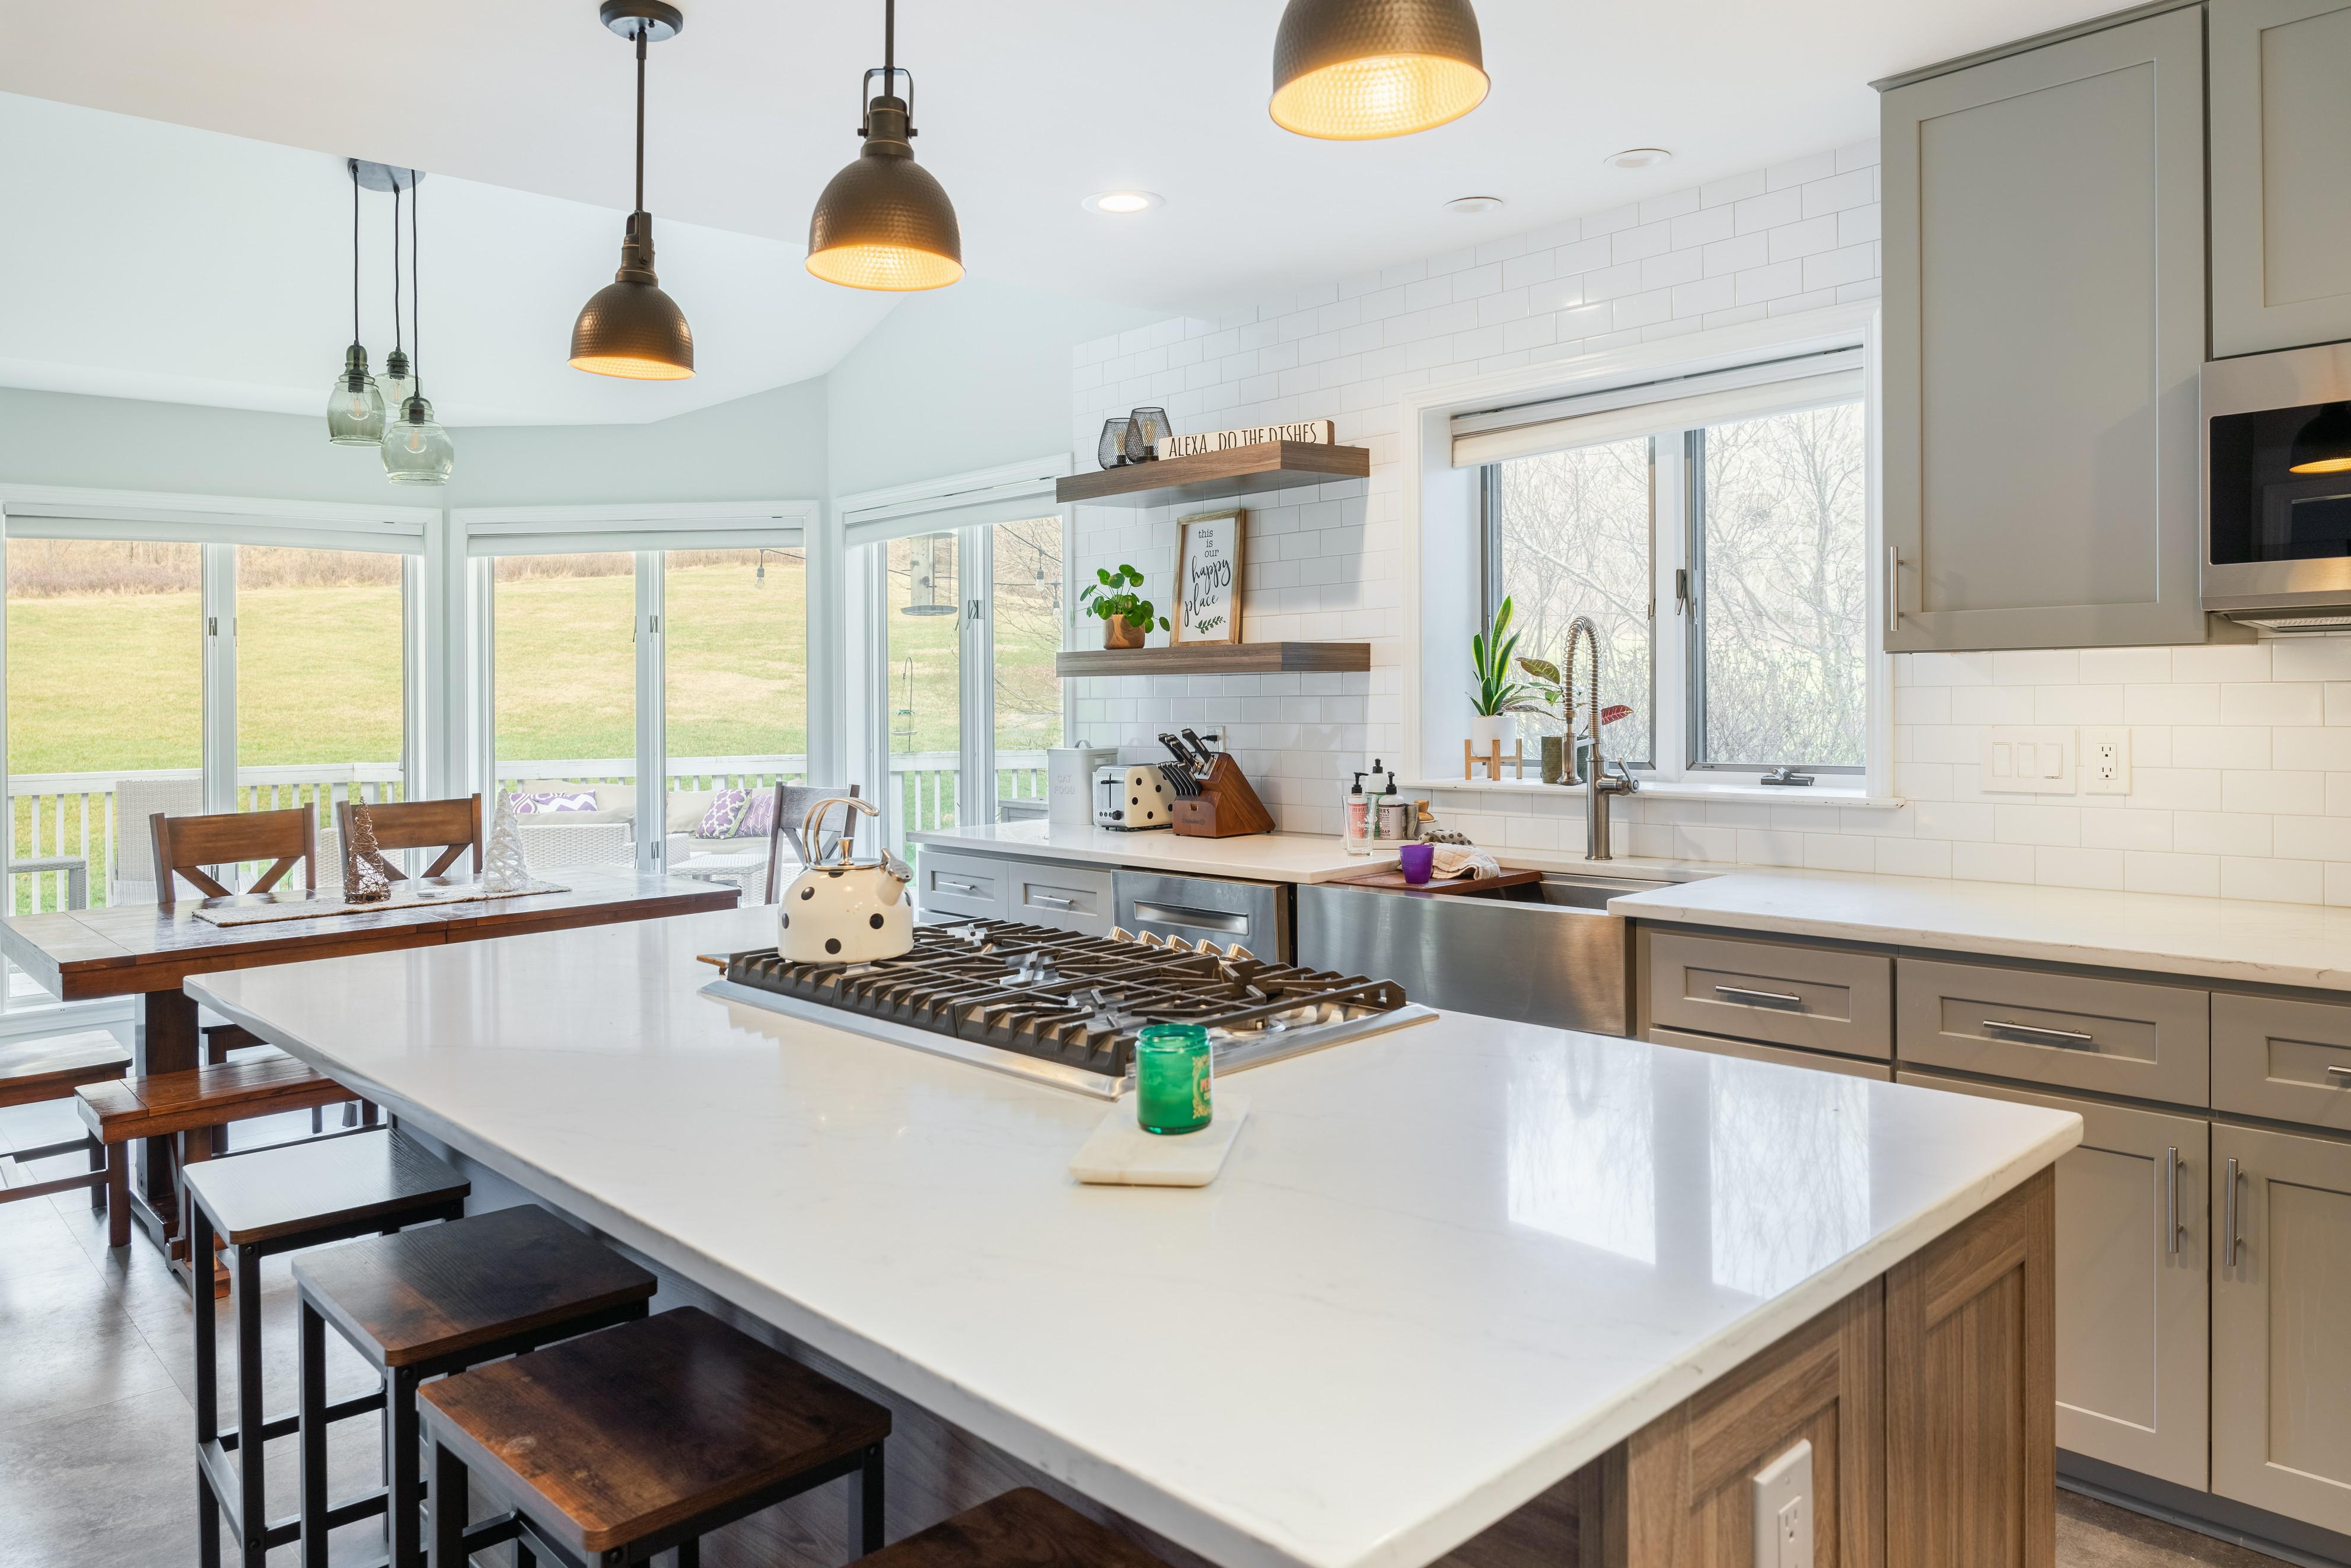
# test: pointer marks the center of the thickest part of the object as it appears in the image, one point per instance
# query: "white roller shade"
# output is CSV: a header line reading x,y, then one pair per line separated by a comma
x,y
59,513
975,508
596,531
1622,413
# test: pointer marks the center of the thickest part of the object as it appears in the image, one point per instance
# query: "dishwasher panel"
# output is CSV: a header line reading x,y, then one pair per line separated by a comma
x,y
1255,914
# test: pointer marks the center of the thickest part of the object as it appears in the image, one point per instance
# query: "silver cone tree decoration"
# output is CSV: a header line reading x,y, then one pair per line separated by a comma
x,y
367,877
505,867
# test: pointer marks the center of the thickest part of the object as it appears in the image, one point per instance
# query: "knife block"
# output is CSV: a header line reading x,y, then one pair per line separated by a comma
x,y
1225,808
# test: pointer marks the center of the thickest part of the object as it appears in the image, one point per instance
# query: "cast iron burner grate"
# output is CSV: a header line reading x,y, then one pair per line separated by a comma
x,y
1069,999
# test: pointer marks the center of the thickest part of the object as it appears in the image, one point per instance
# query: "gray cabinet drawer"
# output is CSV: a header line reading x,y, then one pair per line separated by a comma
x,y
1819,1061
1070,898
955,887
1816,998
2287,1061
2116,1037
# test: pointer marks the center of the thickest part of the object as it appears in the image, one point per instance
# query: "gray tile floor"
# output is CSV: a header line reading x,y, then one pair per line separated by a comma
x,y
97,1357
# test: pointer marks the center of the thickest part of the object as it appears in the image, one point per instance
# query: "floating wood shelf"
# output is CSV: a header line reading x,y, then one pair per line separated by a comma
x,y
1215,659
1208,475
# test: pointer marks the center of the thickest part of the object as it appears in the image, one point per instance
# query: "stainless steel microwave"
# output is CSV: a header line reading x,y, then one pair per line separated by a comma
x,y
2277,489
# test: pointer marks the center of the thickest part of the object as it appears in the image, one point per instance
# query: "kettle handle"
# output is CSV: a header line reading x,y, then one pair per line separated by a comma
x,y
807,823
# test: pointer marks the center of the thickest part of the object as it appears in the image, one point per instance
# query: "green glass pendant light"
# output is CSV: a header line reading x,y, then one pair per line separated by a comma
x,y
884,222
630,327
416,450
398,385
1354,71
355,403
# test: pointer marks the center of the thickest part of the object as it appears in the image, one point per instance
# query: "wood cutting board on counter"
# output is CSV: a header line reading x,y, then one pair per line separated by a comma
x,y
1392,881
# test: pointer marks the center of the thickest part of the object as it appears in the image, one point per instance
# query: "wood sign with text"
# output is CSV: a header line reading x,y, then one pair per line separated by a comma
x,y
1208,547
1315,432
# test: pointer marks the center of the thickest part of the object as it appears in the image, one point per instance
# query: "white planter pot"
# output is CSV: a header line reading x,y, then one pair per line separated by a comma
x,y
1486,732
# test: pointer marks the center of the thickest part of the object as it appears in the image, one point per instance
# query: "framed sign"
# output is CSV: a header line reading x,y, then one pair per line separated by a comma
x,y
1208,547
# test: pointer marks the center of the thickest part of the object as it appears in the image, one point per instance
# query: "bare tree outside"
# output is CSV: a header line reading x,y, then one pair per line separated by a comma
x,y
1576,541
1783,587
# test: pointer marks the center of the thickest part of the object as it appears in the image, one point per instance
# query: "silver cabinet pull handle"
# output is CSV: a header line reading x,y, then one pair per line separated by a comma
x,y
1754,998
1056,903
1180,914
958,887
2171,1200
2229,1219
2035,1034
1893,590
2336,1070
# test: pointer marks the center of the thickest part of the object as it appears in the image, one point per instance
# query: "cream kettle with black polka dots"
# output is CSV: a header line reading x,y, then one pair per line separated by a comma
x,y
853,912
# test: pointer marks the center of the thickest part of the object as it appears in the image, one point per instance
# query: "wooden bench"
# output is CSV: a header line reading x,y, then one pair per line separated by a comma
x,y
41,1069
187,1106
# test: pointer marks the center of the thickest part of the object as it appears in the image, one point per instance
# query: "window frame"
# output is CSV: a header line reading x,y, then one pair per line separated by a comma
x,y
1677,655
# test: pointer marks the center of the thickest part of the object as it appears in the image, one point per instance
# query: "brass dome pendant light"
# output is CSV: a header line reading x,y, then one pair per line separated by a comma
x,y
884,222
355,403
630,327
1354,71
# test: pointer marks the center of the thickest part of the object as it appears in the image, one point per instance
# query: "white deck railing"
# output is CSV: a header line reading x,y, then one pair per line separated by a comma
x,y
73,814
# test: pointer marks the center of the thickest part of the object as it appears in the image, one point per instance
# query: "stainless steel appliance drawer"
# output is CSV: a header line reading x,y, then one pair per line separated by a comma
x,y
1256,915
1059,893
2289,1062
1818,1061
949,886
1816,998
2116,1037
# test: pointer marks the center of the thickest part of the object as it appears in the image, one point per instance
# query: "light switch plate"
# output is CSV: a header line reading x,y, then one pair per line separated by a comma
x,y
2106,759
1783,1509
2027,760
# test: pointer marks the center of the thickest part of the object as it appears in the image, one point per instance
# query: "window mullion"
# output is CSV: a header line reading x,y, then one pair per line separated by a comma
x,y
1669,554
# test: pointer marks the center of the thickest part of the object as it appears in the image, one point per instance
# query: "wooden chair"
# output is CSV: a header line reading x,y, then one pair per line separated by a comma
x,y
52,1069
186,846
453,827
792,803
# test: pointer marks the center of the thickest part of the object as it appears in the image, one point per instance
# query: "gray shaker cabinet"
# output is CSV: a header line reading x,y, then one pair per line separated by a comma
x,y
2044,331
2281,208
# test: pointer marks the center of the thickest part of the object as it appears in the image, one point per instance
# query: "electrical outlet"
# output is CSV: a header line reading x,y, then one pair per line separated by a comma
x,y
2028,759
2105,760
1783,1509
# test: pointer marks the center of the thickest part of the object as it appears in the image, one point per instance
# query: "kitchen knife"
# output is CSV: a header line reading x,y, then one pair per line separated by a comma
x,y
1207,758
1175,749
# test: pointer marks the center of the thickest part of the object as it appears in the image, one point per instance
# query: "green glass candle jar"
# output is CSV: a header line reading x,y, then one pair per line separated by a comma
x,y
1173,1072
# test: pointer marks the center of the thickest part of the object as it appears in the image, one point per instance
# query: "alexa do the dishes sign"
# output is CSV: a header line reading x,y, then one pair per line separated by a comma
x,y
1208,577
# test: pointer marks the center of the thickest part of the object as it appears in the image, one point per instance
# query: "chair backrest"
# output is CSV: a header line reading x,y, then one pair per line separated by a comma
x,y
130,875
186,846
792,803
453,827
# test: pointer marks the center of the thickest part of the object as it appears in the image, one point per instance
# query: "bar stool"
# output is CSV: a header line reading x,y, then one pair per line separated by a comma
x,y
425,1302
260,1203
1022,1529
617,1446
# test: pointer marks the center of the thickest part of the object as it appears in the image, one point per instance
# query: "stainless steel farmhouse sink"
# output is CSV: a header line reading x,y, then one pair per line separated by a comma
x,y
1546,952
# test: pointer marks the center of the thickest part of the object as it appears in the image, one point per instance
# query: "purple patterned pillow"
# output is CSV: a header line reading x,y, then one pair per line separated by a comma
x,y
758,817
551,800
725,809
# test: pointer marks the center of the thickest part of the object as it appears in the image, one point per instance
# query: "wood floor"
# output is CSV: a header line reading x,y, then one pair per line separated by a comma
x,y
97,1357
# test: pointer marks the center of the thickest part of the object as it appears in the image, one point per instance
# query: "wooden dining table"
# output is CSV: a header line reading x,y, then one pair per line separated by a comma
x,y
149,950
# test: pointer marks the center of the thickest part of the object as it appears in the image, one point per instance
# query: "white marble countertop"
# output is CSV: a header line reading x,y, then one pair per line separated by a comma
x,y
2212,938
1443,1267
1260,857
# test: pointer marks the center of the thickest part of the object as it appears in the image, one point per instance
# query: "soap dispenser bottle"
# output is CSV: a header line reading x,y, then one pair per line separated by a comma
x,y
1356,808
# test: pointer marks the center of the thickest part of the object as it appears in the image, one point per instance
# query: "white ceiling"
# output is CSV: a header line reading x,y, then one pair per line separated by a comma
x,y
151,240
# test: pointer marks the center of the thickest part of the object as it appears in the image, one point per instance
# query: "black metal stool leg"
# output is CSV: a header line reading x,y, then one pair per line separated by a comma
x,y
865,1503
253,1497
312,1379
449,1509
208,1552
406,1484
689,1553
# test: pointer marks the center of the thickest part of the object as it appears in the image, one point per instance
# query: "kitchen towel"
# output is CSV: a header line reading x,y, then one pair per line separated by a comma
x,y
1464,860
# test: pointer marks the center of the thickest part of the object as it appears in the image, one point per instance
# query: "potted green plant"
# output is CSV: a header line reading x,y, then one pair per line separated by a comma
x,y
1126,616
1497,698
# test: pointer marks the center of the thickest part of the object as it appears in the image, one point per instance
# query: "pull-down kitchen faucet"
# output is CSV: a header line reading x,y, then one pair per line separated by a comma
x,y
1599,786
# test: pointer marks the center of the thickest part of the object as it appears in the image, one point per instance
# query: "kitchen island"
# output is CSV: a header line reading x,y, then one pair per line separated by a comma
x,y
1448,1271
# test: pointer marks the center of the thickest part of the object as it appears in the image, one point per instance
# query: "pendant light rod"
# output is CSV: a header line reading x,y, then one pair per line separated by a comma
x,y
640,117
415,292
355,250
396,340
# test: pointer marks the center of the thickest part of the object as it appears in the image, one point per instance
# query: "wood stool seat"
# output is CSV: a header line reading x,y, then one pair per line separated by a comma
x,y
434,1300
647,1437
1022,1529
35,1070
260,1203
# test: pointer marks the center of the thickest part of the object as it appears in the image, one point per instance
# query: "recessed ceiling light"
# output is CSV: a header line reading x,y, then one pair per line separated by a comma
x,y
1638,158
1118,204
1473,204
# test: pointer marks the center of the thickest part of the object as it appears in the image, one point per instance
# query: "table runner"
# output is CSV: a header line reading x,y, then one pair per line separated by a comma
x,y
306,904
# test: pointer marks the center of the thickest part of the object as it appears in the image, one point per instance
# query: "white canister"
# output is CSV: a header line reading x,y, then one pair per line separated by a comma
x,y
1069,782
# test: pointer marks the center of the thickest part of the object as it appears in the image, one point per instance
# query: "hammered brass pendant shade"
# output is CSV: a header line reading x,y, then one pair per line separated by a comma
x,y
1354,71
884,222
630,327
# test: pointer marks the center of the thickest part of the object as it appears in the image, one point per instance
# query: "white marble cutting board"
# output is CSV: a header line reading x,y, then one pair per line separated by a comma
x,y
1120,1154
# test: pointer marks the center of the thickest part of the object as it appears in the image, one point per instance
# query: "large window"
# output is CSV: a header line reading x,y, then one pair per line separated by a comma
x,y
1723,554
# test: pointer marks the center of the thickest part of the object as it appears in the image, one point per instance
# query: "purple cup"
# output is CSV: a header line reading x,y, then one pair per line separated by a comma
x,y
1416,860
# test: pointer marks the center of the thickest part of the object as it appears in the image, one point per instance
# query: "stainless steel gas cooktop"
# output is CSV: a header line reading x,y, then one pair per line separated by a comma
x,y
1064,1008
